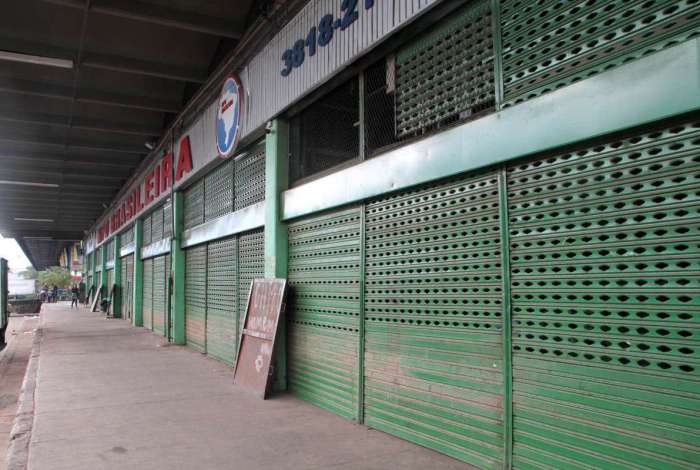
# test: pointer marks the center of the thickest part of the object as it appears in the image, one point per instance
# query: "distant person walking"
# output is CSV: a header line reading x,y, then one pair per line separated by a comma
x,y
75,294
54,293
45,293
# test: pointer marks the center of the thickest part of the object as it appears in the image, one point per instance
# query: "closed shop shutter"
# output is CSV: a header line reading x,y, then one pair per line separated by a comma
x,y
127,286
250,178
605,261
433,318
168,220
219,191
147,230
222,300
157,224
159,294
323,341
251,265
148,293
195,296
193,212
556,43
110,277
123,290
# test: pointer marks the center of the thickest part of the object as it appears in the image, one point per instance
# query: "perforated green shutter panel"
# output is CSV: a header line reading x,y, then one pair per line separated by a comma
x,y
605,255
123,290
157,224
250,178
433,322
251,265
193,211
168,220
550,44
148,293
447,74
222,306
147,230
218,191
159,289
127,286
110,277
324,308
195,296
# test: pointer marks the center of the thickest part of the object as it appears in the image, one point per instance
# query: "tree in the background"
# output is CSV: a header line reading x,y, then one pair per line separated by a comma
x,y
55,275
29,273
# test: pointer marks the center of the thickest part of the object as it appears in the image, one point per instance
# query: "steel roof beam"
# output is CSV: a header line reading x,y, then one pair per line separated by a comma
x,y
140,67
9,154
78,123
163,16
132,149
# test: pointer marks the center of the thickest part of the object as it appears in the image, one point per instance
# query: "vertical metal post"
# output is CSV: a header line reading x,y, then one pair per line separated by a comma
x,y
177,258
361,121
117,300
507,321
497,51
276,243
137,311
361,326
103,274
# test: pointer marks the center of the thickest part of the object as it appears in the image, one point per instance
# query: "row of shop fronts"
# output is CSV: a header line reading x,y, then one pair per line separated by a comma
x,y
491,237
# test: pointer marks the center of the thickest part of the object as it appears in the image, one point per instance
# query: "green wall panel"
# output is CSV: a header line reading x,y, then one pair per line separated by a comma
x,y
433,346
195,296
605,266
324,309
222,306
148,293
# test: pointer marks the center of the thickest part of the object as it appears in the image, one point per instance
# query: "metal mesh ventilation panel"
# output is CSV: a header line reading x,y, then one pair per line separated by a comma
x,y
194,205
605,252
250,178
551,44
446,75
167,220
218,191
251,265
433,323
323,340
157,224
147,230
196,296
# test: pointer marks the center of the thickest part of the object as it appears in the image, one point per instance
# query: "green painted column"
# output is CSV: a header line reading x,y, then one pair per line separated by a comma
x,y
117,300
177,257
137,310
103,273
276,244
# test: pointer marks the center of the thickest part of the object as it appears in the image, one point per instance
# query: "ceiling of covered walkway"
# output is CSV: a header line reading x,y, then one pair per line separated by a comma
x,y
86,86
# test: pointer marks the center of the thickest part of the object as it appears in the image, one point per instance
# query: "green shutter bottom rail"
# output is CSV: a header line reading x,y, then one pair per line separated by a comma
x,y
605,253
433,346
322,334
195,297
221,337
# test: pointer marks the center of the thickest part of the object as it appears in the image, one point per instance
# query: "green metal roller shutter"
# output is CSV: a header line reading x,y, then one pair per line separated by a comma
x,y
250,178
222,307
168,220
605,253
193,212
110,282
166,294
219,191
147,230
195,296
123,290
157,224
553,43
251,265
323,341
148,293
159,289
127,286
433,322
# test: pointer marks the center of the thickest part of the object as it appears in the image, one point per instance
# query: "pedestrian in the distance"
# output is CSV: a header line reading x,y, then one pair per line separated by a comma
x,y
75,293
54,293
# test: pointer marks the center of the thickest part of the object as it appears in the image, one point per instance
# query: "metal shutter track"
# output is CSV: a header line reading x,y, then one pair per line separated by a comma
x,y
324,274
222,307
605,257
195,296
433,347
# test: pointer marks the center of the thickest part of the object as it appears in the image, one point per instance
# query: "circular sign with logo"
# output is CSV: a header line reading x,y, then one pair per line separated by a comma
x,y
228,116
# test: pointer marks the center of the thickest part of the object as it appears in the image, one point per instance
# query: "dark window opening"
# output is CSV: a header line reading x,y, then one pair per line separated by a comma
x,y
380,129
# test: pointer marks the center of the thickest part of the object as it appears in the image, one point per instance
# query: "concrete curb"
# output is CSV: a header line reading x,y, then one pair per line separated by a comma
x,y
21,434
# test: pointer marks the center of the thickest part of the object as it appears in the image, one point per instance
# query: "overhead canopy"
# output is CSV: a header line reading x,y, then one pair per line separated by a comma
x,y
85,87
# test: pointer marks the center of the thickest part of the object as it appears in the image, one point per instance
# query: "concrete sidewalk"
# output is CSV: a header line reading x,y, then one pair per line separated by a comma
x,y
111,396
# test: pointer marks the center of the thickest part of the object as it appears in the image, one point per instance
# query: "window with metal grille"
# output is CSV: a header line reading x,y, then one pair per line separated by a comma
x,y
446,75
379,123
127,236
326,133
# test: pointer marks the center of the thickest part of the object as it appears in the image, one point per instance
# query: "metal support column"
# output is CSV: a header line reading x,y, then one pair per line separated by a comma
x,y
137,314
177,256
276,246
117,300
506,316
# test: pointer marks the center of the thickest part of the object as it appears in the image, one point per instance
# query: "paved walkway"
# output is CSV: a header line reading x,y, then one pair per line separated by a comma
x,y
110,396
13,362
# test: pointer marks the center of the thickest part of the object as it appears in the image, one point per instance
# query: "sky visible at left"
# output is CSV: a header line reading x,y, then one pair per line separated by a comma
x,y
16,259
